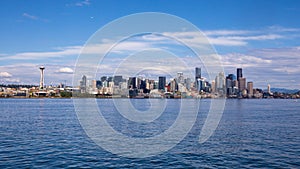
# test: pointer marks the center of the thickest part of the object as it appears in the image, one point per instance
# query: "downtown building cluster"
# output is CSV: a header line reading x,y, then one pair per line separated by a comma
x,y
230,86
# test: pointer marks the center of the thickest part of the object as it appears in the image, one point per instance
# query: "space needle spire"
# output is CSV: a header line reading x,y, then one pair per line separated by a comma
x,y
42,77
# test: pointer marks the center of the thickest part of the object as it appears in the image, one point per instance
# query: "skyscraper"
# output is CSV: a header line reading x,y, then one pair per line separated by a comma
x,y
180,77
250,89
117,79
197,73
132,82
239,73
161,82
197,78
83,84
103,78
242,84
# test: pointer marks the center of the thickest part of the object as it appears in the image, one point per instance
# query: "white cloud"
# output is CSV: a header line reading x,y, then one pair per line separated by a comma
x,y
66,51
221,41
26,15
79,3
259,37
288,70
5,74
33,17
83,3
65,70
11,80
242,60
224,37
278,28
226,32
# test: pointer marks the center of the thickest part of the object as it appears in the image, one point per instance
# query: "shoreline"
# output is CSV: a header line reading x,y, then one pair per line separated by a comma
x,y
145,98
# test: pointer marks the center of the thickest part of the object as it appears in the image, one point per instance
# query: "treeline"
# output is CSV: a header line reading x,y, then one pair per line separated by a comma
x,y
17,85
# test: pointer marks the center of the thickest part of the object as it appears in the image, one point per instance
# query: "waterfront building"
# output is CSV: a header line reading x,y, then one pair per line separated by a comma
x,y
197,73
161,82
132,83
103,78
94,84
173,85
197,76
220,83
83,83
98,84
213,86
180,78
110,79
250,89
231,83
239,73
242,83
105,83
188,82
117,80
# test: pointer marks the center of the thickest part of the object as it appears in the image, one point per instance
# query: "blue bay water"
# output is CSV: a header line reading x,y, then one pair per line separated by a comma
x,y
45,133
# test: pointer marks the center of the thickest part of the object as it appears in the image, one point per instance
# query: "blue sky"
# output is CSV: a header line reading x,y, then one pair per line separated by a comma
x,y
262,37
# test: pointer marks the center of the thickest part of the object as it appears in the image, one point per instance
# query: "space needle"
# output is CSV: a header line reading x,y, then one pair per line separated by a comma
x,y
42,68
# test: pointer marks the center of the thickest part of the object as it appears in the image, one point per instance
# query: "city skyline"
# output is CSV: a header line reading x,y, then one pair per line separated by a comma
x,y
231,86
258,36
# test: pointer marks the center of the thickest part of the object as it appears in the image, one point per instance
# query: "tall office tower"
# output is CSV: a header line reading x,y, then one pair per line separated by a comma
x,y
187,82
231,77
213,86
197,77
132,82
117,80
230,84
94,85
42,68
239,73
161,82
103,78
98,84
180,77
197,73
83,84
250,89
172,85
220,81
138,83
110,79
242,84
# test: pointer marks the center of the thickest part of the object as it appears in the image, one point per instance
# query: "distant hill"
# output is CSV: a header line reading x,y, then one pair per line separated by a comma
x,y
283,90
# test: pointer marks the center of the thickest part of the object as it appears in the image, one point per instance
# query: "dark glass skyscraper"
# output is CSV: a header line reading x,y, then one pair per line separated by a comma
x,y
198,77
197,73
239,73
161,82
117,79
132,82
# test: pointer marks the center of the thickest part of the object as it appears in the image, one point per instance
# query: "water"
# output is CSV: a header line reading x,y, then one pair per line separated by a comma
x,y
45,133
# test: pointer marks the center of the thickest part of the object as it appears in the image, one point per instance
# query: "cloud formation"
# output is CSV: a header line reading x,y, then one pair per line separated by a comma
x,y
5,74
26,15
83,3
65,70
33,17
261,65
79,3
